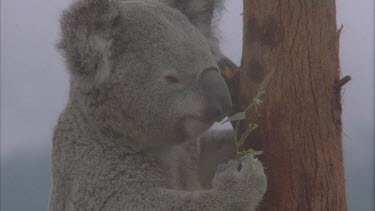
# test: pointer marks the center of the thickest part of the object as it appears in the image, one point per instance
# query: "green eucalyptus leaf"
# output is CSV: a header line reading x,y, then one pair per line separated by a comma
x,y
240,154
257,152
253,152
253,126
236,117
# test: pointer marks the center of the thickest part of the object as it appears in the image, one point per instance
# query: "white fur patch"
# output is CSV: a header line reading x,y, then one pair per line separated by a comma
x,y
103,46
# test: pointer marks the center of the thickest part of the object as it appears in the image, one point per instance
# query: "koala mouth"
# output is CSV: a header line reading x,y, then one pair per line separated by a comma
x,y
194,126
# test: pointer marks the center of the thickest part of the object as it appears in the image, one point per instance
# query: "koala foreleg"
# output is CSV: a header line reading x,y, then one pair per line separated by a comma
x,y
237,185
215,147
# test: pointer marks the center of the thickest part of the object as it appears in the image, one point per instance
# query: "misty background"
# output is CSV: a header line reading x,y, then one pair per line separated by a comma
x,y
34,90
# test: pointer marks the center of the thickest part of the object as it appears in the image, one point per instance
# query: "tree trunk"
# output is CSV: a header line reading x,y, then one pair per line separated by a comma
x,y
300,118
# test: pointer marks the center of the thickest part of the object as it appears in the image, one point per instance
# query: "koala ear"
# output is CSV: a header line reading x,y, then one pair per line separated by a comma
x,y
87,31
201,15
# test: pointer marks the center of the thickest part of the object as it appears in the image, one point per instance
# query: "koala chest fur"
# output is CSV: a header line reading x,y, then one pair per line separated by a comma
x,y
145,87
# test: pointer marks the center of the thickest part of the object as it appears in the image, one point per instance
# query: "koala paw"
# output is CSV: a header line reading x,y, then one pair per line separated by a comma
x,y
244,180
251,171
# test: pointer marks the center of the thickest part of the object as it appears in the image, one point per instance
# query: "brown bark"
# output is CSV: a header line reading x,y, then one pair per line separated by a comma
x,y
230,72
300,125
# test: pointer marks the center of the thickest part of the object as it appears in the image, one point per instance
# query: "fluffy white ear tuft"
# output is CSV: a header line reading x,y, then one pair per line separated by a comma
x,y
104,66
88,28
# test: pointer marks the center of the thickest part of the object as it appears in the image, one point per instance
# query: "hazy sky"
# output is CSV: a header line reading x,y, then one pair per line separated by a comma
x,y
34,83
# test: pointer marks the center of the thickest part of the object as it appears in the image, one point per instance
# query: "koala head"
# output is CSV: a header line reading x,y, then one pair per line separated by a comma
x,y
141,70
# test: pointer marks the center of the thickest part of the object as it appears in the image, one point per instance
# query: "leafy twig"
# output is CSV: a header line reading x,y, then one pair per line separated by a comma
x,y
257,100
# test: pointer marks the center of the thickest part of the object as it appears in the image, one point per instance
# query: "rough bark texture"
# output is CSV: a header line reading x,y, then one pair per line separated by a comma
x,y
300,125
230,72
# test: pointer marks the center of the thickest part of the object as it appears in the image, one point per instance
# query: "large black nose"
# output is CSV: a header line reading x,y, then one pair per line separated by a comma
x,y
217,94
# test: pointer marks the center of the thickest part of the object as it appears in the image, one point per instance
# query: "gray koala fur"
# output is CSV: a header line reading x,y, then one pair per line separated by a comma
x,y
130,137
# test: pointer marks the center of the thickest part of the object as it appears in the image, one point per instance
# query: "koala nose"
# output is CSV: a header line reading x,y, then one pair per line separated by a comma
x,y
217,94
215,113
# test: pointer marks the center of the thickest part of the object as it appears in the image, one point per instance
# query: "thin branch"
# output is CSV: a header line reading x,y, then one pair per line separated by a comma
x,y
342,82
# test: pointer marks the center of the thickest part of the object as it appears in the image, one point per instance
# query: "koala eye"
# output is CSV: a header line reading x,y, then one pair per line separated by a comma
x,y
171,79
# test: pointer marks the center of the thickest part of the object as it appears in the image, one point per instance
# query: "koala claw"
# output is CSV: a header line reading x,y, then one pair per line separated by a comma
x,y
242,161
252,169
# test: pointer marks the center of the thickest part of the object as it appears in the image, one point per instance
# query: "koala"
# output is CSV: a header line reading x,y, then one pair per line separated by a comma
x,y
144,89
